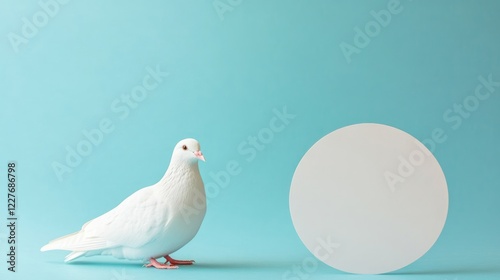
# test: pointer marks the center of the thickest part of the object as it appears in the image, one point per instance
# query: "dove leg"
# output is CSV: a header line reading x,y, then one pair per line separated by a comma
x,y
154,263
177,262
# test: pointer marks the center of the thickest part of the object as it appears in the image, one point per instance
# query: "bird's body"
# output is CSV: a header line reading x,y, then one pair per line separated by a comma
x,y
152,222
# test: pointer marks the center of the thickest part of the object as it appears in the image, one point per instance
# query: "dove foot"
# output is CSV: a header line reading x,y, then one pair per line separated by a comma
x,y
154,263
178,262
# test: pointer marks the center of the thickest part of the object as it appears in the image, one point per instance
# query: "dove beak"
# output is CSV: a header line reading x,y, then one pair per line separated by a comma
x,y
199,155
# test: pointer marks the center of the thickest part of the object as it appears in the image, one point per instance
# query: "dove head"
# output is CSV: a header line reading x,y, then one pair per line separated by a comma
x,y
188,150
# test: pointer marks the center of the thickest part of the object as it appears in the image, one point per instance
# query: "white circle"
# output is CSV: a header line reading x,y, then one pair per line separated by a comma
x,y
353,209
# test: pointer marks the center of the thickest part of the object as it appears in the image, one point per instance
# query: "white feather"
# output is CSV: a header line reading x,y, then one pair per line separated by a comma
x,y
73,255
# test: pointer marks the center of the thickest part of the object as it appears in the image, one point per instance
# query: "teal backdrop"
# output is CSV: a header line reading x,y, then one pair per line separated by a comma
x,y
95,94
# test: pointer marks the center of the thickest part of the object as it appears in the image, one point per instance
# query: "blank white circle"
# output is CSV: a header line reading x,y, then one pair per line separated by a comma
x,y
368,199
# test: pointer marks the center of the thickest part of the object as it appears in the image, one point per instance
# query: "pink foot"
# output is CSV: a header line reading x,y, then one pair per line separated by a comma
x,y
177,262
154,263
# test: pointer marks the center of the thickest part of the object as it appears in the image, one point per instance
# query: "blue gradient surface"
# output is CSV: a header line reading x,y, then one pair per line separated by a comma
x,y
257,83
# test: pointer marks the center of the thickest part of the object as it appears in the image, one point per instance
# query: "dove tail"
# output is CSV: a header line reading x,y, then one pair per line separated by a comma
x,y
77,242
62,243
74,255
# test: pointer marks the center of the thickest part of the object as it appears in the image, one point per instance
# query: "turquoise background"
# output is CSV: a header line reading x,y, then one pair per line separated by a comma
x,y
228,72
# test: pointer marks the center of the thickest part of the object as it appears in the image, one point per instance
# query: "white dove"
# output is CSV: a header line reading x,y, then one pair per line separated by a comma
x,y
153,222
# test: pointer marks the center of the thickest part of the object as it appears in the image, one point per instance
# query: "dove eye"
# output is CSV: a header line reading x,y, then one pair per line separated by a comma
x,y
184,147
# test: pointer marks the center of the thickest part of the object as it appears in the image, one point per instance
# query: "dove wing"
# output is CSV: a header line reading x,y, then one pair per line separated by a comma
x,y
133,223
